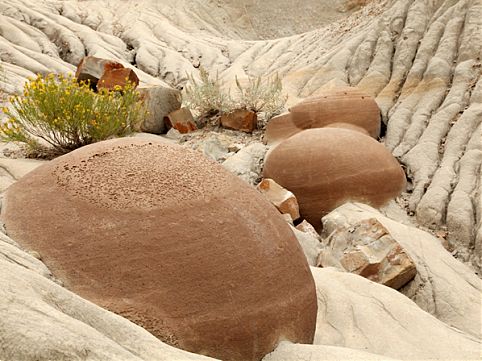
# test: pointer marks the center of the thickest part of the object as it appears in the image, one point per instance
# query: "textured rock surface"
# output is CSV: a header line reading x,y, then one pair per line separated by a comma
x,y
309,243
92,69
279,128
443,286
40,320
356,313
366,248
420,61
118,234
324,168
119,77
344,105
281,198
306,227
347,108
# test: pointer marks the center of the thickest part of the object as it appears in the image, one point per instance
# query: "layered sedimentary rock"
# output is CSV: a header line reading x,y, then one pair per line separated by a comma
x,y
41,320
172,241
366,248
326,167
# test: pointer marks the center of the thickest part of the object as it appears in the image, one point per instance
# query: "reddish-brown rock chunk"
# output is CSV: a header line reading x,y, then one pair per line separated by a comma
x,y
240,119
91,69
182,120
117,77
171,240
327,167
281,198
367,248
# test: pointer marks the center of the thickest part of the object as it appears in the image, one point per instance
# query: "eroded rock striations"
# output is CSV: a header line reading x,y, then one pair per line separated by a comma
x,y
354,312
170,240
443,286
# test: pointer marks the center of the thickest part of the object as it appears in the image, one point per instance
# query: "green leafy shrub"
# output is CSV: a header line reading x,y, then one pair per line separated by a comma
x,y
67,115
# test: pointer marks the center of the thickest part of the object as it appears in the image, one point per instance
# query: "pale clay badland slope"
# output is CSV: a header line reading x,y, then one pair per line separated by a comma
x,y
420,59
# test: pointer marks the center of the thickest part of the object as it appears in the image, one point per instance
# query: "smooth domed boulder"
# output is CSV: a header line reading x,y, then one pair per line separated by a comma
x,y
327,167
348,126
170,240
340,107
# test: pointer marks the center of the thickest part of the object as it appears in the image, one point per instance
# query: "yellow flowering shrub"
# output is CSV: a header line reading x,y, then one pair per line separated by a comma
x,y
68,115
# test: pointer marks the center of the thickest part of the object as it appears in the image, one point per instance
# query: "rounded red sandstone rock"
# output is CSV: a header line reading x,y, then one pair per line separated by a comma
x,y
327,167
161,235
340,108
344,105
348,126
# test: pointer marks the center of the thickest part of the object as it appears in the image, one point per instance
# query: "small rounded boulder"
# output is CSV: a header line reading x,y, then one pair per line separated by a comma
x,y
327,167
170,240
342,105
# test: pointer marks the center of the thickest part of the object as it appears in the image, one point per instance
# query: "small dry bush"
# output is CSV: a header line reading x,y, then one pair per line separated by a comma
x,y
67,115
206,98
260,95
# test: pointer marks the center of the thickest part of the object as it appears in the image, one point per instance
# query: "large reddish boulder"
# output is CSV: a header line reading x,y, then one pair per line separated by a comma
x,y
347,107
169,239
327,167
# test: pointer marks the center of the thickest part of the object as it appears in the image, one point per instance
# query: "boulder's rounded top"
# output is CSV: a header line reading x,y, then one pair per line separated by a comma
x,y
334,93
339,105
132,173
328,136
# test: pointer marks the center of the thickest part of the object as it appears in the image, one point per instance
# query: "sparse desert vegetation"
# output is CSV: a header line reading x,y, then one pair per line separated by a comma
x,y
206,96
66,114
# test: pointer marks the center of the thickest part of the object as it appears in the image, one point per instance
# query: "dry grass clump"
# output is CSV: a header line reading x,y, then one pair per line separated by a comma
x,y
260,95
57,114
207,98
